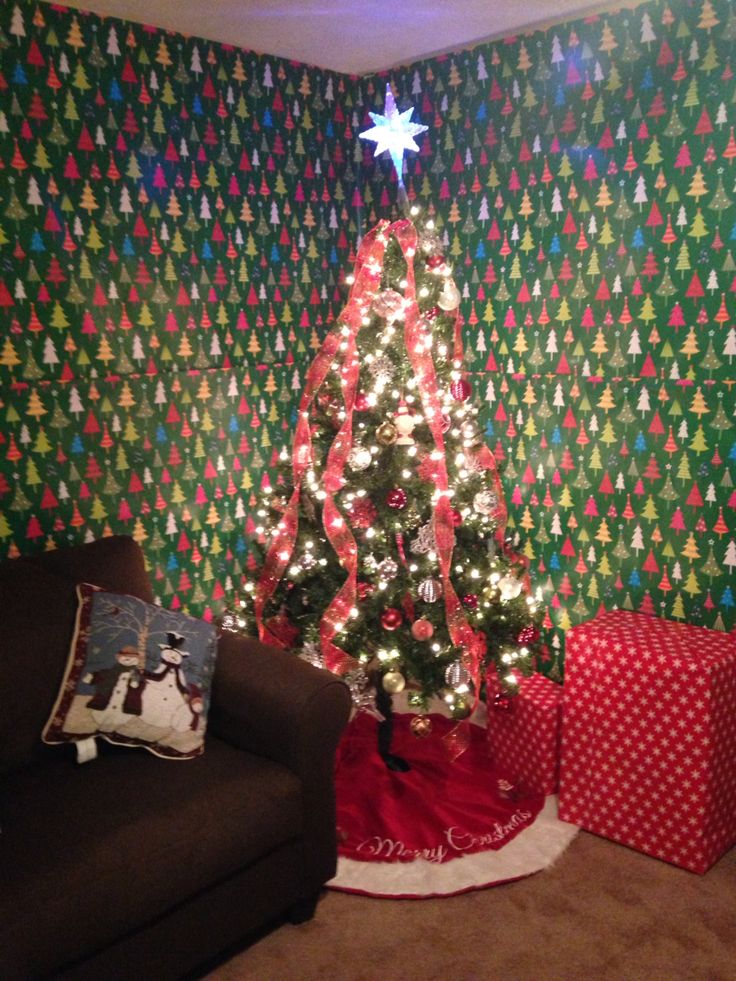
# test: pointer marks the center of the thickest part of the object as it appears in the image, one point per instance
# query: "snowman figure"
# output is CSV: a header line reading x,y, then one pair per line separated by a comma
x,y
118,691
169,701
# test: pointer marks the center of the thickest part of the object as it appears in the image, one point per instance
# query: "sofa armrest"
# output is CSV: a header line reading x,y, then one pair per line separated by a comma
x,y
274,704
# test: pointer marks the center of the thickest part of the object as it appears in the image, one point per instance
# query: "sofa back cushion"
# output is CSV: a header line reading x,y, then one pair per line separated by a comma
x,y
38,604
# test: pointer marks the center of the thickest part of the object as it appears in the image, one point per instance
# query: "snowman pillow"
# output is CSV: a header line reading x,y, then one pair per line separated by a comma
x,y
137,675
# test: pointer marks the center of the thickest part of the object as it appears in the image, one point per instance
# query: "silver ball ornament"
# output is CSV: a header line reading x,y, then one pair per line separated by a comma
x,y
457,675
430,590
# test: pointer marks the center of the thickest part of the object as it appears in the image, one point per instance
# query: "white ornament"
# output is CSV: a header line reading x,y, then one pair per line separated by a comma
x,y
485,502
362,693
359,458
312,654
381,370
509,587
449,298
387,569
405,422
425,540
370,563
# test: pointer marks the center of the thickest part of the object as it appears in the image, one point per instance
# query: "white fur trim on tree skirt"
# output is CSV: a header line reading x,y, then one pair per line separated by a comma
x,y
531,850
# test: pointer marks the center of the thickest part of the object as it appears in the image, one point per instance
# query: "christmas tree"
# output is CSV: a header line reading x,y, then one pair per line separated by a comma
x,y
385,552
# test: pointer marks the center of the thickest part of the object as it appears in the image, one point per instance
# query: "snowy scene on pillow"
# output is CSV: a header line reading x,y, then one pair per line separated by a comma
x,y
137,675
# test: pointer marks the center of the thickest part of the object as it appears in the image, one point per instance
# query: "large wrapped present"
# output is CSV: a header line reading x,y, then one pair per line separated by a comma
x,y
648,755
524,732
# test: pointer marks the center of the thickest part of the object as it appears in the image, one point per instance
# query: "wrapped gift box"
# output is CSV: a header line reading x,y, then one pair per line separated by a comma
x,y
648,755
524,733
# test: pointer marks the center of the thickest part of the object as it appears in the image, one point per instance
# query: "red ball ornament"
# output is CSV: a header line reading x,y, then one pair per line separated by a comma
x,y
364,589
456,518
363,513
527,635
470,601
361,403
435,261
422,629
391,618
396,499
460,390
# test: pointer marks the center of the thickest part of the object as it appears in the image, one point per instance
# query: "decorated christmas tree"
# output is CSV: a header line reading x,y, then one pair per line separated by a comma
x,y
385,554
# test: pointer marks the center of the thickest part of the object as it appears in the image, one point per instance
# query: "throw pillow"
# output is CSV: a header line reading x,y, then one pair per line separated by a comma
x,y
137,675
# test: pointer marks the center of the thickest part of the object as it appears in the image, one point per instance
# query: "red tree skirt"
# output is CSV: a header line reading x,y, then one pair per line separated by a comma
x,y
439,810
432,830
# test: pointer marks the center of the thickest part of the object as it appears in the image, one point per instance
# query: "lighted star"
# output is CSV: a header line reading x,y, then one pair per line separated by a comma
x,y
393,133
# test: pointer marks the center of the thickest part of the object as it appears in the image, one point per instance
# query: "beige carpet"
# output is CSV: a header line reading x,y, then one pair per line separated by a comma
x,y
601,913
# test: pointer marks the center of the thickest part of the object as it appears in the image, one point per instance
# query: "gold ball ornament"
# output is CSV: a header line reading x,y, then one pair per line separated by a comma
x,y
386,434
393,682
460,708
421,726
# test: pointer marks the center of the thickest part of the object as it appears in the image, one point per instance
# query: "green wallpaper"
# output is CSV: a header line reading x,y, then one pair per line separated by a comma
x,y
585,176
176,218
174,221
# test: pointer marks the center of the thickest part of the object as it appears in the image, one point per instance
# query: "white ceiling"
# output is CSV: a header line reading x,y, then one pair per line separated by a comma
x,y
357,37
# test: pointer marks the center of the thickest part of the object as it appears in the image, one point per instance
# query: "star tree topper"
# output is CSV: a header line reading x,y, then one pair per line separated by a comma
x,y
393,132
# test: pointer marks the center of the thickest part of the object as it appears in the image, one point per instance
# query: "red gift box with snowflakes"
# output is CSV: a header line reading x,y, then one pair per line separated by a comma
x,y
524,732
648,752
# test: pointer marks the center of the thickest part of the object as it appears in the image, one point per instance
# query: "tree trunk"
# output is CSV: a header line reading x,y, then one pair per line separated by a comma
x,y
386,731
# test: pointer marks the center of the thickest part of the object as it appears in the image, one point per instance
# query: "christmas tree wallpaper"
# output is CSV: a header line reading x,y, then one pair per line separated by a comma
x,y
178,219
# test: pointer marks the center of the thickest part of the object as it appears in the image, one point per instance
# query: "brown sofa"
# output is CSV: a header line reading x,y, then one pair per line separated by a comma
x,y
131,866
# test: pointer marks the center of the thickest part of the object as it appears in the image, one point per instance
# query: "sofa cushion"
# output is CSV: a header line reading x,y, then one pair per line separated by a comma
x,y
137,675
115,563
90,853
